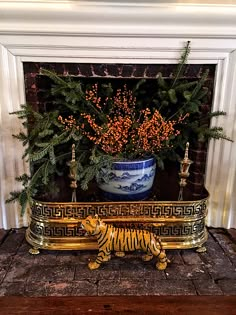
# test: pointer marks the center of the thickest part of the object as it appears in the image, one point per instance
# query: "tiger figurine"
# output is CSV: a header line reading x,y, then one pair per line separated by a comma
x,y
120,240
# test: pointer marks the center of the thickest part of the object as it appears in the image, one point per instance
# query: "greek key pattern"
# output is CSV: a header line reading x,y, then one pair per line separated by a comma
x,y
56,230
106,210
181,229
178,229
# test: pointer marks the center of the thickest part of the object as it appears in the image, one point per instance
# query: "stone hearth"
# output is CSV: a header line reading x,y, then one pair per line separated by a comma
x,y
65,273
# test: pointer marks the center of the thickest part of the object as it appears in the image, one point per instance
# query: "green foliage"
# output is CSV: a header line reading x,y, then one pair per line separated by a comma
x,y
48,142
24,197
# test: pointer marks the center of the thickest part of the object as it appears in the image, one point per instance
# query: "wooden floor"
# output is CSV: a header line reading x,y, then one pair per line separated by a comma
x,y
164,305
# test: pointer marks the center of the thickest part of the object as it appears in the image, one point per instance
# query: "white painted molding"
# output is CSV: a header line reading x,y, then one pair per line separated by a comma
x,y
221,165
153,18
119,32
11,164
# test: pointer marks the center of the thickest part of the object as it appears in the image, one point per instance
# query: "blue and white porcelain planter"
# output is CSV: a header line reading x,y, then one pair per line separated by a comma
x,y
128,180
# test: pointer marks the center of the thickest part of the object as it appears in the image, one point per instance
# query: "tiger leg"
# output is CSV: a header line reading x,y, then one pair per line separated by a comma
x,y
107,257
157,250
101,257
147,257
162,261
119,254
152,250
150,253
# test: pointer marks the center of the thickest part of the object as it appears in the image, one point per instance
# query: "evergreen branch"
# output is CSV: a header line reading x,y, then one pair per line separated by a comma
x,y
52,156
200,83
185,86
21,136
53,76
137,86
95,110
45,132
37,174
182,62
216,134
39,155
215,114
161,82
202,93
45,172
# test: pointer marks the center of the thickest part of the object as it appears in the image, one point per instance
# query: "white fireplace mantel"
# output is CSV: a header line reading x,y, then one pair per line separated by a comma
x,y
120,32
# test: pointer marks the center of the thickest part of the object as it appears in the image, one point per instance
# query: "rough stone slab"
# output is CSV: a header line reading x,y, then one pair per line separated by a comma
x,y
24,247
59,288
18,272
170,287
228,286
46,257
52,273
66,257
3,272
6,258
84,288
13,241
191,257
151,272
122,287
3,234
23,258
185,272
130,270
227,245
174,256
83,257
12,288
35,289
105,271
207,287
214,254
218,272
232,233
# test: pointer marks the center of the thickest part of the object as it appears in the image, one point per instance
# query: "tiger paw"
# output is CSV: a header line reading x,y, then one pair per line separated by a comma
x,y
107,258
147,257
119,254
161,265
93,265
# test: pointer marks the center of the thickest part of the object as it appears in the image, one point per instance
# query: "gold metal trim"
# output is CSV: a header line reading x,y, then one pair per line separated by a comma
x,y
179,224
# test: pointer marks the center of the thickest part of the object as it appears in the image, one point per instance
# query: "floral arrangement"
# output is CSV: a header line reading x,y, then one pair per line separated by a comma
x,y
122,130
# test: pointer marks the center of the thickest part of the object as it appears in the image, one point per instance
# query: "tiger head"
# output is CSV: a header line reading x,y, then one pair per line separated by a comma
x,y
92,225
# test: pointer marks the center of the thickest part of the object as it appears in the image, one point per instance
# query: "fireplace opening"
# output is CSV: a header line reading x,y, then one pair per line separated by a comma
x,y
166,185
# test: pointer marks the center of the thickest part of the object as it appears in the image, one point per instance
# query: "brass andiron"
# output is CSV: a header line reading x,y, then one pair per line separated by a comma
x,y
184,171
73,174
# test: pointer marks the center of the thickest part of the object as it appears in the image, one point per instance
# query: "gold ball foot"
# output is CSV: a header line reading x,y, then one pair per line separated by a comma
x,y
201,249
34,251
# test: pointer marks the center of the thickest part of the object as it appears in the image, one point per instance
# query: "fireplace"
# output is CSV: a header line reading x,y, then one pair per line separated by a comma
x,y
38,85
123,33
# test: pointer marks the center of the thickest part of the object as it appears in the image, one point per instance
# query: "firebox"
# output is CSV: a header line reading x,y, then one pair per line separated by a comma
x,y
36,86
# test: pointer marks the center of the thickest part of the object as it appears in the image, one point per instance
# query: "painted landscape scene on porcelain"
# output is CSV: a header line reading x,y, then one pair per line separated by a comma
x,y
129,180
